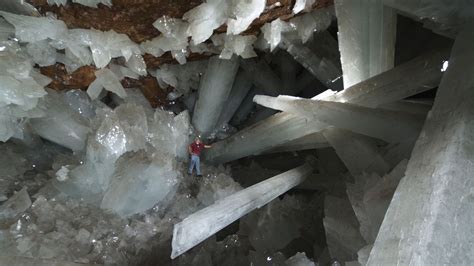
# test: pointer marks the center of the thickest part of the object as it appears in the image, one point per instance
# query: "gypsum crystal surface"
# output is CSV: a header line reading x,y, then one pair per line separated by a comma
x,y
182,77
408,79
105,79
235,44
263,77
367,32
214,89
318,64
60,123
173,38
245,108
240,89
293,217
304,26
57,2
302,5
299,259
206,222
242,14
33,29
205,18
342,229
93,3
430,203
139,183
14,206
384,124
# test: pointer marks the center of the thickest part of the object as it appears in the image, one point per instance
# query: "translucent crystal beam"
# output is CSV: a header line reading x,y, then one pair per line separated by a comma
x,y
429,220
322,68
200,225
387,125
213,92
413,77
366,39
240,89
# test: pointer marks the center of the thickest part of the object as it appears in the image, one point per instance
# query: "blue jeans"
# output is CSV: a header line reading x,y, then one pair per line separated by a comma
x,y
195,163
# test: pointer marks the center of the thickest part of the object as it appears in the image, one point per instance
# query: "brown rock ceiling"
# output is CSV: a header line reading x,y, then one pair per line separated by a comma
x,y
135,18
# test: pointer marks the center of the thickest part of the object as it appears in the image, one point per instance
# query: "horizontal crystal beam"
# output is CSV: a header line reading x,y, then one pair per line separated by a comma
x,y
387,125
413,77
202,224
309,142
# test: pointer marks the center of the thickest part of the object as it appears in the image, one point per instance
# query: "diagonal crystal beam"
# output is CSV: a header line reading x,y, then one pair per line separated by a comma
x,y
387,125
202,224
429,220
413,77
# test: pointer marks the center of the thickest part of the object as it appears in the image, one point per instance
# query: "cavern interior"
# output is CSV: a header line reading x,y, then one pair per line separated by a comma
x,y
332,132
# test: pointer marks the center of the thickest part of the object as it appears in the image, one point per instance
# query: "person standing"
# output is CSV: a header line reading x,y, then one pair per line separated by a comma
x,y
195,150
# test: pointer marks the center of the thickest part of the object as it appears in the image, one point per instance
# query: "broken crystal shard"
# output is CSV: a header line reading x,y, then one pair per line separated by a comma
x,y
384,124
213,92
93,3
240,89
15,205
422,72
205,18
302,5
299,259
367,32
33,29
105,79
206,222
418,227
139,183
359,153
60,123
342,229
243,14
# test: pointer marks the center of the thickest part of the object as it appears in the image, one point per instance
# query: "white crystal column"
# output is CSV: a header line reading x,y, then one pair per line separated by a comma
x,y
240,89
418,75
214,89
429,221
199,226
378,123
366,38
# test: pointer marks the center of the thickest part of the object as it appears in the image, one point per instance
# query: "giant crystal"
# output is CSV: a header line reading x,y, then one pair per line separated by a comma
x,y
240,89
429,221
61,124
418,75
206,222
213,92
366,39
384,124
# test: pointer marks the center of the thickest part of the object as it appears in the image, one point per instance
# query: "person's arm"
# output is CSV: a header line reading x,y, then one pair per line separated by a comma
x,y
190,150
207,146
